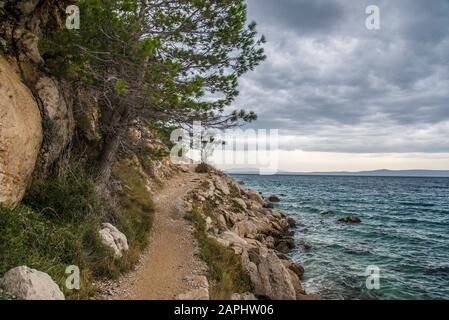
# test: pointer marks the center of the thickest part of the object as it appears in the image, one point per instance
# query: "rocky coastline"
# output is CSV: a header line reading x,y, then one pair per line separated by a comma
x,y
240,219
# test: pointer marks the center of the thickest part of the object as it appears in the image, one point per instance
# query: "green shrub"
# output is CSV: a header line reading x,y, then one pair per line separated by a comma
x,y
226,275
71,198
152,153
57,226
58,222
30,238
135,217
202,168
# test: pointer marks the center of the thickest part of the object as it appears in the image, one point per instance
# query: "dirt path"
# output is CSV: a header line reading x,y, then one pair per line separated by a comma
x,y
170,260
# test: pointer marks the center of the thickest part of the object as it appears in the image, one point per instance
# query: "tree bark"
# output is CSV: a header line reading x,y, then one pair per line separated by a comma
x,y
109,152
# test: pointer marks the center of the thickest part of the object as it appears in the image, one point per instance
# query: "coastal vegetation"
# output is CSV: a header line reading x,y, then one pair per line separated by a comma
x,y
100,104
226,275
156,61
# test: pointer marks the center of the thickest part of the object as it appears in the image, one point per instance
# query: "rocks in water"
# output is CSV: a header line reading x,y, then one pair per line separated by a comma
x,y
274,198
291,222
305,247
268,205
20,135
350,219
327,212
30,284
297,268
285,245
114,239
260,236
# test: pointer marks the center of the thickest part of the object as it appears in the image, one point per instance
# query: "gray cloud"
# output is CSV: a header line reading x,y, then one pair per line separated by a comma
x,y
339,87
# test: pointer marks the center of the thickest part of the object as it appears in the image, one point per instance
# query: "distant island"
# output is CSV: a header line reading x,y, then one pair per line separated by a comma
x,y
373,173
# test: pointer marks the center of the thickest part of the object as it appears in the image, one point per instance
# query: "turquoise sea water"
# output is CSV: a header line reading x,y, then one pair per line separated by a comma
x,y
404,232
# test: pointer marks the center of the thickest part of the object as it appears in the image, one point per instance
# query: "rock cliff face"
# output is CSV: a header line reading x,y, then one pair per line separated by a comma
x,y
57,110
236,218
28,98
20,134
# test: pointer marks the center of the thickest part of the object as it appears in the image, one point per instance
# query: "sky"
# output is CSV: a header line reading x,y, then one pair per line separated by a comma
x,y
347,98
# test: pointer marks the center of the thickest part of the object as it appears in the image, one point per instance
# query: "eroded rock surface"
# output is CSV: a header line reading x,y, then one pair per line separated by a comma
x,y
20,135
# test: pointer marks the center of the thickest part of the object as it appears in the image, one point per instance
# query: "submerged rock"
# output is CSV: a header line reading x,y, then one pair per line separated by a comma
x,y
350,219
291,222
30,284
327,212
274,198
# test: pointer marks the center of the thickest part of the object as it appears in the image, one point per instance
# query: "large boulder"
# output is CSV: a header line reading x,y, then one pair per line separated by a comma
x,y
222,185
246,229
114,239
58,118
284,245
30,284
269,276
255,196
20,135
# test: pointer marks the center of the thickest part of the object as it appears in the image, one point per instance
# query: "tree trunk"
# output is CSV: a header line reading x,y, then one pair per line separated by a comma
x,y
118,121
110,149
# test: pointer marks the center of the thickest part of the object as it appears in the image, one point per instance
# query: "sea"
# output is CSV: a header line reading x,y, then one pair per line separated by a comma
x,y
400,251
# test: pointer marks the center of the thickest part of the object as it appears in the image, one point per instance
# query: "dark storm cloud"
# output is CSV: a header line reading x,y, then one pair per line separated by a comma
x,y
339,87
298,15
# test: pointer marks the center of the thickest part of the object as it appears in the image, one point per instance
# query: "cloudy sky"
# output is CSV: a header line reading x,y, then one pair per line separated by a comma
x,y
348,98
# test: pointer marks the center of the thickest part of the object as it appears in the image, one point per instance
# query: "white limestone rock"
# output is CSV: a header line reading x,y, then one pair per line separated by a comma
x,y
30,284
114,239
